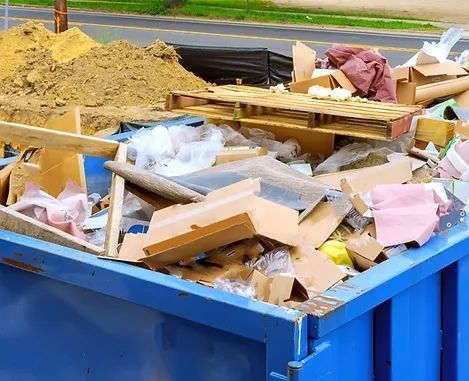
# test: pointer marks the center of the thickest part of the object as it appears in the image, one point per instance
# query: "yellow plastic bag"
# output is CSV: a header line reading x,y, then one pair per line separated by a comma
x,y
337,252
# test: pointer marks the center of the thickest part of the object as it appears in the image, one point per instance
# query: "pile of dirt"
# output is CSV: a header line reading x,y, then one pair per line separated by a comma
x,y
17,44
118,74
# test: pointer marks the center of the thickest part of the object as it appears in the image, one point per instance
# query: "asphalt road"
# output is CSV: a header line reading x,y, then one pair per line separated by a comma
x,y
142,30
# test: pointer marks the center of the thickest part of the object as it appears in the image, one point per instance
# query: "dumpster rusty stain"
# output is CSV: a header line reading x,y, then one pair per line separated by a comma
x,y
320,305
183,294
22,265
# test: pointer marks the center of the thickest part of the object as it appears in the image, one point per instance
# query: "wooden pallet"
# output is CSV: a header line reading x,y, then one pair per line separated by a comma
x,y
382,121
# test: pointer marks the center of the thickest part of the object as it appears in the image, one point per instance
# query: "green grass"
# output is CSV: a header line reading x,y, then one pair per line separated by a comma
x,y
259,11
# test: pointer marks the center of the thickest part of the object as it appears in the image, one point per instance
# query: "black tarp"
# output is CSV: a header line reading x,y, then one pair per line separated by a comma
x,y
224,65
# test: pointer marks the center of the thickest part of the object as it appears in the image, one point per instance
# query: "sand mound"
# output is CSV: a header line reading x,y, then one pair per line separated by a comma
x,y
18,43
116,74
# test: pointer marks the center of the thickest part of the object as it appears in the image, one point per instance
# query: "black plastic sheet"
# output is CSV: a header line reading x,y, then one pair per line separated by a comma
x,y
225,65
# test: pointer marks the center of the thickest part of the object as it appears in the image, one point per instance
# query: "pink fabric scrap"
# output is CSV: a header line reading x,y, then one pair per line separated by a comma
x,y
405,213
367,70
67,212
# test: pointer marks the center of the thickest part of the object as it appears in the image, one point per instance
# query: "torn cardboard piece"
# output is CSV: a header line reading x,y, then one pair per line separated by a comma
x,y
227,215
365,251
230,154
333,80
316,228
365,179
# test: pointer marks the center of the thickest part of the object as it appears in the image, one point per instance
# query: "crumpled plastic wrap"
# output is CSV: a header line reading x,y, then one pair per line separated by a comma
x,y
275,262
66,212
176,150
237,287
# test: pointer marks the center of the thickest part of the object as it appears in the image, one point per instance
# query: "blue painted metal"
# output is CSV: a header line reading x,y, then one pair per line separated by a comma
x,y
67,315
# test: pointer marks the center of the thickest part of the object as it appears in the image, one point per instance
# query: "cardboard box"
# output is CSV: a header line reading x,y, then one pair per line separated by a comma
x,y
335,79
365,251
438,131
409,79
230,154
227,215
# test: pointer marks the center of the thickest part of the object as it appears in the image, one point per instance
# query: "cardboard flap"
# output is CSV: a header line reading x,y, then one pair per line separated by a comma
x,y
405,92
316,228
400,73
280,289
304,61
343,81
315,270
131,249
447,68
302,87
365,246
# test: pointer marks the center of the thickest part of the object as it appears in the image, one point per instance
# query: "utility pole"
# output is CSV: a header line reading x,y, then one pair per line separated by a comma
x,y
6,15
60,16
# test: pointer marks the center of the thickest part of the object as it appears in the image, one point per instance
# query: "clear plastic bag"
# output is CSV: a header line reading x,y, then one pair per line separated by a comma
x,y
275,262
440,50
237,287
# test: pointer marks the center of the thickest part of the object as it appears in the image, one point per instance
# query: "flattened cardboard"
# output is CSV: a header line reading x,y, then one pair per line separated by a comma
x,y
280,289
405,92
314,270
226,216
231,154
304,61
364,180
436,72
365,251
335,79
316,228
400,73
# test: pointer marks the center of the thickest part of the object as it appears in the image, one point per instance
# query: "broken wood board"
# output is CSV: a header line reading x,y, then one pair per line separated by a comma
x,y
21,224
154,183
50,168
30,136
115,206
244,104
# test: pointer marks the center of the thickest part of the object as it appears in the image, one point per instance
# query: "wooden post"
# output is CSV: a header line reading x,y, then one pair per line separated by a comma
x,y
60,16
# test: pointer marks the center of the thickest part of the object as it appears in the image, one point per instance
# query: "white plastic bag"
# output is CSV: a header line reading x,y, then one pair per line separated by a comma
x,y
440,50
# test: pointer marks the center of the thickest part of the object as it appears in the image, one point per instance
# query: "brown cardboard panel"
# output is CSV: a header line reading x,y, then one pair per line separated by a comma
x,y
231,154
316,228
437,69
316,143
131,249
406,93
400,73
364,250
304,61
302,87
315,270
5,182
364,180
227,215
259,281
280,289
341,80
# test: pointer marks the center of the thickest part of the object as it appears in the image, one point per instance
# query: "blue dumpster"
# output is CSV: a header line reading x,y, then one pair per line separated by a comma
x,y
67,315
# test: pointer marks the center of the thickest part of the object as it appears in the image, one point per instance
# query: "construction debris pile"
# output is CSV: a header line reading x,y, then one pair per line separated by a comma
x,y
38,67
281,195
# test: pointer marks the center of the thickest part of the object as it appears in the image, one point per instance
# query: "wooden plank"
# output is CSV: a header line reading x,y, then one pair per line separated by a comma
x,y
58,166
115,206
154,183
42,138
21,224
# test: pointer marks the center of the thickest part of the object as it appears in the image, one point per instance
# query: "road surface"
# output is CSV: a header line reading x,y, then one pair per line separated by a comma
x,y
142,30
